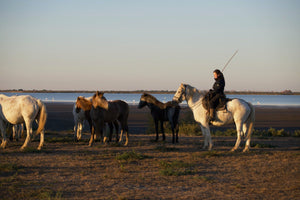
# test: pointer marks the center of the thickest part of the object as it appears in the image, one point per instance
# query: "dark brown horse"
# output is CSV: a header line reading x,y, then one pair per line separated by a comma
x,y
83,108
108,111
162,112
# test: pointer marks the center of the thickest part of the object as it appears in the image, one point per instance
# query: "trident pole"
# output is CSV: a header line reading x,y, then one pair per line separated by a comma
x,y
229,60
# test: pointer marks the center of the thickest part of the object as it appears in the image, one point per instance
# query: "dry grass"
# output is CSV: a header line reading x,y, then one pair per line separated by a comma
x,y
148,170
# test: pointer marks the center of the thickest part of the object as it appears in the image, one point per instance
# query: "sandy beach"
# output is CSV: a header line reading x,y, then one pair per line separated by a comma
x,y
60,117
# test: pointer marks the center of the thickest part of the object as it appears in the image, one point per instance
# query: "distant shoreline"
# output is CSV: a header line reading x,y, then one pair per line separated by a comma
x,y
287,92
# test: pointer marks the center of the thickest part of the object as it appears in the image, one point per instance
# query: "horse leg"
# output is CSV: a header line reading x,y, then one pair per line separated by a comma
x,y
116,124
111,131
28,124
102,127
92,136
247,130
14,135
127,134
75,130
176,126
3,132
177,131
173,132
239,133
42,134
207,138
162,130
124,128
79,130
156,129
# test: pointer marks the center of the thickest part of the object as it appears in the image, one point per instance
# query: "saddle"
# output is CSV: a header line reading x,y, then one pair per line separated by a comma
x,y
221,105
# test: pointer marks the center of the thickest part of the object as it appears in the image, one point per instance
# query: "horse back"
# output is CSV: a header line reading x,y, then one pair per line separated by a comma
x,y
118,108
239,106
14,109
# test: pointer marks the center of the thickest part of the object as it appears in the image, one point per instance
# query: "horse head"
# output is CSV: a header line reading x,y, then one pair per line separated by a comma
x,y
143,100
83,103
99,100
180,94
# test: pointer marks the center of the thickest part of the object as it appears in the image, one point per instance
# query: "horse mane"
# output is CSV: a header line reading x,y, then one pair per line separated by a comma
x,y
194,90
151,99
100,101
83,103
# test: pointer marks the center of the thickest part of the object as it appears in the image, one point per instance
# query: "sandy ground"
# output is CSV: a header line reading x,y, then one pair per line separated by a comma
x,y
153,170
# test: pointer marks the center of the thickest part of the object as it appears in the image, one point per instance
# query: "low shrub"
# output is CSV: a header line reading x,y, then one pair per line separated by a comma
x,y
175,168
130,155
296,133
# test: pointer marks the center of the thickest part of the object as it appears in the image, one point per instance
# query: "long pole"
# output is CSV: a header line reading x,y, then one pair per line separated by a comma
x,y
229,60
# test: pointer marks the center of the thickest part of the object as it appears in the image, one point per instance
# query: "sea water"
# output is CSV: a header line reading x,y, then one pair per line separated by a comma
x,y
134,98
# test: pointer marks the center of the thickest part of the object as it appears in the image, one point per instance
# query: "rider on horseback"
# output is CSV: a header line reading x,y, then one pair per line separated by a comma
x,y
216,93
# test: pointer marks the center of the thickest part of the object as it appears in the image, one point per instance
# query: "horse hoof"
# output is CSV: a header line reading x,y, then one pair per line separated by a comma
x,y
233,150
245,150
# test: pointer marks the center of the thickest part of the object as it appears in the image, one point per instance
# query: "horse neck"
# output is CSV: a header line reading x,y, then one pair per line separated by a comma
x,y
85,105
154,102
2,96
152,106
194,97
102,103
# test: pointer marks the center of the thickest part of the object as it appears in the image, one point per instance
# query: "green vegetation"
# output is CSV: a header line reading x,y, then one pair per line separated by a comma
x,y
164,148
10,167
130,156
175,168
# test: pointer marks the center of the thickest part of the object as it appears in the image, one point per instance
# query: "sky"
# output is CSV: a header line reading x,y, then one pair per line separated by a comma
x,y
149,45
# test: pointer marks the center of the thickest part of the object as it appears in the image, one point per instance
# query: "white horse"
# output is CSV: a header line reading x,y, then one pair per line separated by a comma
x,y
238,111
22,109
80,116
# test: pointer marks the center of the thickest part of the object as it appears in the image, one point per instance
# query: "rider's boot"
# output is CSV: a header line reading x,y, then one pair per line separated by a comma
x,y
211,114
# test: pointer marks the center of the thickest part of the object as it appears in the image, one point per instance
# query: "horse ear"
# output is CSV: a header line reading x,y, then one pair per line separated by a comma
x,y
100,94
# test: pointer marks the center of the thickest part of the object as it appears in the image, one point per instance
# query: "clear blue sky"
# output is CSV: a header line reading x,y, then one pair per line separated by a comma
x,y
157,44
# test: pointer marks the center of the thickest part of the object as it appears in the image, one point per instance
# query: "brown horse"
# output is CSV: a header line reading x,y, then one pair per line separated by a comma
x,y
108,111
162,112
82,110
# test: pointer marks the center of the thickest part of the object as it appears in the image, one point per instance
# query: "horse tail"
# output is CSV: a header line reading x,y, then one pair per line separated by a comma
x,y
250,120
42,117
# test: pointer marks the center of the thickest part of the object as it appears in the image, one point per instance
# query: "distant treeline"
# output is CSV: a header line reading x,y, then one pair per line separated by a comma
x,y
285,92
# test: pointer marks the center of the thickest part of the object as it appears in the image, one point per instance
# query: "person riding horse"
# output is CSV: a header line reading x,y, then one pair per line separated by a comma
x,y
216,93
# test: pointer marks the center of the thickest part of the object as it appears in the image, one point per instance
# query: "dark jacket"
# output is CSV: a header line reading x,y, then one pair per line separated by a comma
x,y
219,85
